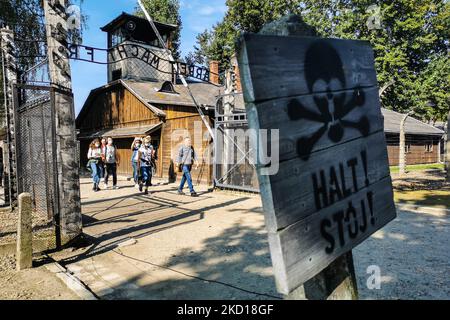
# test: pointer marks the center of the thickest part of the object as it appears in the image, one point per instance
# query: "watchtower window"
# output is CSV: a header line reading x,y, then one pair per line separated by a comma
x,y
117,38
168,87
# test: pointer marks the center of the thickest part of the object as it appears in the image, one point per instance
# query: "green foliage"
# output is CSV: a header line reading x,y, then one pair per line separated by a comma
x,y
165,11
410,43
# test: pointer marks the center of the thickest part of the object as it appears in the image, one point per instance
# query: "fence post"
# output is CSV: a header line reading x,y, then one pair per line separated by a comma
x,y
447,148
9,71
402,145
64,113
24,253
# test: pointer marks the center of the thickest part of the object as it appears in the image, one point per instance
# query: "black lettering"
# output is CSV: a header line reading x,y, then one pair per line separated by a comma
x,y
346,191
146,56
122,51
191,70
352,164
364,162
199,73
155,62
206,76
183,68
363,227
73,51
351,211
328,237
370,202
338,217
335,189
112,57
320,190
135,53
90,52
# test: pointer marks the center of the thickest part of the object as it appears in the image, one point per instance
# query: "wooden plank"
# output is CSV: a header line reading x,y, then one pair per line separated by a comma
x,y
290,66
305,248
322,97
302,128
291,195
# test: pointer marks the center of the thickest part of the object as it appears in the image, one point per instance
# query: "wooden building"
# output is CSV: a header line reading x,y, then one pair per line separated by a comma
x,y
422,140
141,100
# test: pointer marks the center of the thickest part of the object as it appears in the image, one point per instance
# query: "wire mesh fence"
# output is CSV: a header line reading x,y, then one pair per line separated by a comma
x,y
234,166
36,174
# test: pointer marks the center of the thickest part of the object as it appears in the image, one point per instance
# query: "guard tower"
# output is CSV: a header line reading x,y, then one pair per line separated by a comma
x,y
133,45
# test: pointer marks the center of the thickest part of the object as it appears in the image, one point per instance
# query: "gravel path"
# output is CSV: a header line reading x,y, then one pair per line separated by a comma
x,y
413,255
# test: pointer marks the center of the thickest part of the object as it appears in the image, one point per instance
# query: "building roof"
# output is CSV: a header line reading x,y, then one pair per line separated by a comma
x,y
127,132
149,94
204,93
125,17
392,121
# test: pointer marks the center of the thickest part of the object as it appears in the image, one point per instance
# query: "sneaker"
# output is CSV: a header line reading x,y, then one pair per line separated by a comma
x,y
115,187
146,191
181,193
194,194
94,187
140,187
97,188
105,185
136,185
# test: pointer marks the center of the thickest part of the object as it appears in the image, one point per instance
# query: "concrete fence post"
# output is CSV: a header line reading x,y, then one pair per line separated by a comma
x,y
24,253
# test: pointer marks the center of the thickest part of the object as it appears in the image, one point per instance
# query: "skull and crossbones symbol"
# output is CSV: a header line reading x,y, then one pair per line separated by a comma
x,y
325,78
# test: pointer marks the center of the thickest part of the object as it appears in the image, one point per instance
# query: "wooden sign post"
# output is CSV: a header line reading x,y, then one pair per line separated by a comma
x,y
333,187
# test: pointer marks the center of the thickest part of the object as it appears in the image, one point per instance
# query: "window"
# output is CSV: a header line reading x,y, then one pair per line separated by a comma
x,y
408,148
167,87
429,146
116,38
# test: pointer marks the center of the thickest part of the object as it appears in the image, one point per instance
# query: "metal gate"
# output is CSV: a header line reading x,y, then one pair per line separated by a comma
x,y
36,160
233,166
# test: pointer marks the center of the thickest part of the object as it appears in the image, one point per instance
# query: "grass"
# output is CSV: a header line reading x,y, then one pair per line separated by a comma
x,y
428,198
419,167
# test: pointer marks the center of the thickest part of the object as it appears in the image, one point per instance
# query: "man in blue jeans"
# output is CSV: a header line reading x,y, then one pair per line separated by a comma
x,y
186,158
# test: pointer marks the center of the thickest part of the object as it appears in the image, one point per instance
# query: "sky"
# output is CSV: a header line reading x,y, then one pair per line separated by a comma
x,y
196,16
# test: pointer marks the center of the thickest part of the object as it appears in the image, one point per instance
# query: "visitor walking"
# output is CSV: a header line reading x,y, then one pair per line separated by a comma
x,y
146,153
186,157
103,168
111,163
135,146
95,162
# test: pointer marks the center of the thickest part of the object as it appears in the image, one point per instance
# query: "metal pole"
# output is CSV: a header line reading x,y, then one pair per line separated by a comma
x,y
175,64
402,143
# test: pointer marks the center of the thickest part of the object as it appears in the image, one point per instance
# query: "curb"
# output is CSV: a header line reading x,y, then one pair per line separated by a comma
x,y
438,212
72,282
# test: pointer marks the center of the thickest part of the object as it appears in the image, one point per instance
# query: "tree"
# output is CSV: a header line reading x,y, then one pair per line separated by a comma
x,y
410,35
26,19
409,38
242,16
165,11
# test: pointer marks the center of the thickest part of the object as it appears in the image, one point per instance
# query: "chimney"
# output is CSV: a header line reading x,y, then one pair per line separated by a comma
x,y
214,72
236,77
237,85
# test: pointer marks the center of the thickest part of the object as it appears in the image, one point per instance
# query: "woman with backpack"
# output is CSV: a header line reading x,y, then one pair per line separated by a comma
x,y
95,162
111,162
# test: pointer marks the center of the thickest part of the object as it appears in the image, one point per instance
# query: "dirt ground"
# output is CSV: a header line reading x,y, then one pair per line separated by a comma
x,y
165,246
32,284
